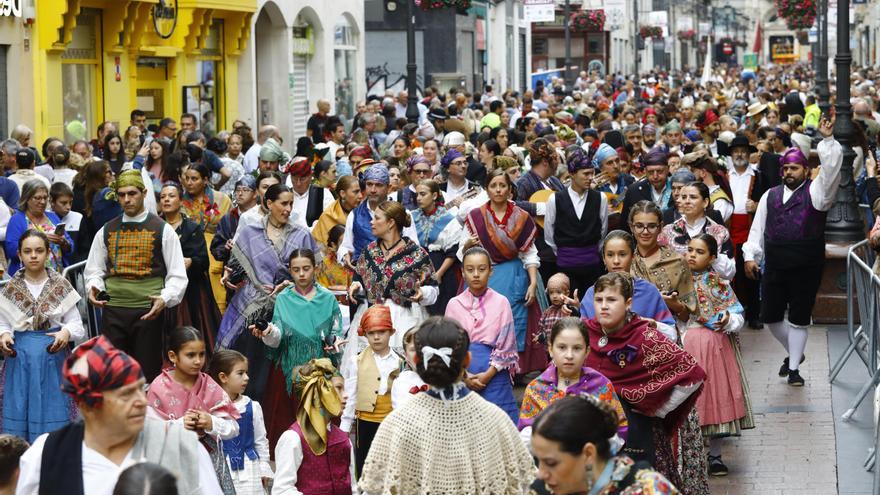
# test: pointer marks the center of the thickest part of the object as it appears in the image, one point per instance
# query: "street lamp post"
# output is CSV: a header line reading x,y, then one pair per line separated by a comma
x,y
412,106
565,23
822,91
844,223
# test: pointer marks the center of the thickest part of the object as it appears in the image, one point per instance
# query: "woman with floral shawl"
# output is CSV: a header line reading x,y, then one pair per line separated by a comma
x,y
205,206
508,233
260,256
440,233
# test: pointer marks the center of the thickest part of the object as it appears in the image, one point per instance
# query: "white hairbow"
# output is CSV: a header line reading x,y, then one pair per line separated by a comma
x,y
444,353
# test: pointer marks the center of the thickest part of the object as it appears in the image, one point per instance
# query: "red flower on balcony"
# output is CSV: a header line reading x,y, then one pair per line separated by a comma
x,y
588,20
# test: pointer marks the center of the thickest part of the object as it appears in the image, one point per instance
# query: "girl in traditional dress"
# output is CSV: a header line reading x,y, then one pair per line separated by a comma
x,y
248,453
205,206
313,456
38,318
198,308
306,324
567,375
657,393
575,444
486,316
393,271
184,393
418,448
440,233
618,251
508,233
693,200
259,259
711,337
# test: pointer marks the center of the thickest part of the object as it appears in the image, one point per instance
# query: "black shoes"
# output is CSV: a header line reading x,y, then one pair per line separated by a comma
x,y
755,324
784,370
716,466
795,379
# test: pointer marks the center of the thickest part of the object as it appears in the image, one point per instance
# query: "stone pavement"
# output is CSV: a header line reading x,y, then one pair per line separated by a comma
x,y
792,448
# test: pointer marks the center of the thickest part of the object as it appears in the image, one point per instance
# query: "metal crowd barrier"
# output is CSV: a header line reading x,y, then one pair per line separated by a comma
x,y
90,314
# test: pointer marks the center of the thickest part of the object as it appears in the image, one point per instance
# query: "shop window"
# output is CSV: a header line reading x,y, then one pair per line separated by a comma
x,y
206,106
79,77
345,63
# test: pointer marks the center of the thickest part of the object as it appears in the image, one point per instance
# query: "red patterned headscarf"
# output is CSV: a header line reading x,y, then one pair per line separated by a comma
x,y
376,319
108,369
708,118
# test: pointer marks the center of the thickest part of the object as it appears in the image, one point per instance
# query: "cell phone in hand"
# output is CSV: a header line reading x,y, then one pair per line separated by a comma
x,y
59,229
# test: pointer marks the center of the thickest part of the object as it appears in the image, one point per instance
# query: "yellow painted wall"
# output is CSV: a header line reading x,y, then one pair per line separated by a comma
x,y
132,18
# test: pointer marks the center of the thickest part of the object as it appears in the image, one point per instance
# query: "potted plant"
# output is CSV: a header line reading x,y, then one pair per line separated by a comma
x,y
686,34
646,32
588,20
443,4
799,15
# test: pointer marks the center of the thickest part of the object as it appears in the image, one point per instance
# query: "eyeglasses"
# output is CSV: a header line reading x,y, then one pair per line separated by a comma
x,y
643,227
421,171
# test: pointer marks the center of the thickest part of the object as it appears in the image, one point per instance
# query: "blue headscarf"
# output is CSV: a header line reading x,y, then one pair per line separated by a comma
x,y
449,157
377,173
578,160
603,153
343,167
247,180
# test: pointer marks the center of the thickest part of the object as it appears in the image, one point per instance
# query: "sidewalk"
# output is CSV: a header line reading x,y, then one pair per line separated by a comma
x,y
792,448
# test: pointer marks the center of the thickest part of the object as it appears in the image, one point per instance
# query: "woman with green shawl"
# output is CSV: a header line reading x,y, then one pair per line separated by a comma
x,y
306,324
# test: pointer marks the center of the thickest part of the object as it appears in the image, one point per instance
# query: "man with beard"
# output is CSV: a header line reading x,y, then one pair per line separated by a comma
x,y
788,234
707,123
746,187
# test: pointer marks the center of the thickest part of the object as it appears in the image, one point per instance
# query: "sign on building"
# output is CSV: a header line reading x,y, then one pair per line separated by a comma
x,y
539,10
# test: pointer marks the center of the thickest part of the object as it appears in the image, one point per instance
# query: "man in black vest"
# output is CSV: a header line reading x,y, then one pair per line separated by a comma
x,y
309,201
87,457
576,221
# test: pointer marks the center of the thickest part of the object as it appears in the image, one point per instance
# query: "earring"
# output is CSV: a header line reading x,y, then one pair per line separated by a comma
x,y
588,476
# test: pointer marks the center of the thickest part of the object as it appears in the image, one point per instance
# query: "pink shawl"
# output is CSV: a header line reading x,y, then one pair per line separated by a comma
x,y
171,400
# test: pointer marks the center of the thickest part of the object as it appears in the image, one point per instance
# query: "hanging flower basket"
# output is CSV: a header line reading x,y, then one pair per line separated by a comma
x,y
798,14
686,34
655,32
443,4
588,20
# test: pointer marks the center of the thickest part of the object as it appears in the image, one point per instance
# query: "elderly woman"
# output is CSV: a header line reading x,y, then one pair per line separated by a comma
x,y
418,169
34,215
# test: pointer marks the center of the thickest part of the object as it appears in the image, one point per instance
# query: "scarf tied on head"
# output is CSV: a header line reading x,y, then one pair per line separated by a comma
x,y
108,368
319,402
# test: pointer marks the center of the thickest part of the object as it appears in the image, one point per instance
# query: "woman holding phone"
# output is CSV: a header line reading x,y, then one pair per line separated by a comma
x,y
33,214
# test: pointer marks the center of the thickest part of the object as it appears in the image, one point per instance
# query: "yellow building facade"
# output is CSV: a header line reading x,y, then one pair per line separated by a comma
x,y
97,60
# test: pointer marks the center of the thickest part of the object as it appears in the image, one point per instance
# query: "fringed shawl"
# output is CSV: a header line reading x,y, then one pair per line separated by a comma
x,y
23,312
503,238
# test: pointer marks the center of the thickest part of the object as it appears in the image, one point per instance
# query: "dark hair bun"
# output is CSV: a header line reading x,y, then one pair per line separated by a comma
x,y
439,332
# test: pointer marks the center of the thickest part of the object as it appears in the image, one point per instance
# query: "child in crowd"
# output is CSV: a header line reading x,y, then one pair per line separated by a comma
x,y
306,324
369,405
314,456
11,450
408,383
186,394
61,197
247,453
558,287
488,320
710,337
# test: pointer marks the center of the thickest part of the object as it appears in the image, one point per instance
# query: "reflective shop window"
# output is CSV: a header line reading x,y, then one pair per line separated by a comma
x,y
79,77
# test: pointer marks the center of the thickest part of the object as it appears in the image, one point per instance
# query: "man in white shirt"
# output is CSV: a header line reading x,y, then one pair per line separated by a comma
x,y
577,219
747,187
358,233
134,271
87,457
309,201
788,235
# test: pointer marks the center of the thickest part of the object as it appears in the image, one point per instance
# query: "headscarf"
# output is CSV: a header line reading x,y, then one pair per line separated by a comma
x,y
319,402
578,160
505,162
604,152
655,156
683,176
542,150
361,151
376,319
298,166
707,119
671,126
414,160
129,178
605,125
648,111
649,129
449,157
247,180
794,155
565,133
108,369
377,173
343,168
271,152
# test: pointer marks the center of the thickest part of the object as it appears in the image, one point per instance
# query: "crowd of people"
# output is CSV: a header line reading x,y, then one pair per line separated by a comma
x,y
355,317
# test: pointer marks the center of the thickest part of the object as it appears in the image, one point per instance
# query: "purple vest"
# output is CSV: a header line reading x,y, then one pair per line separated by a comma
x,y
326,474
794,234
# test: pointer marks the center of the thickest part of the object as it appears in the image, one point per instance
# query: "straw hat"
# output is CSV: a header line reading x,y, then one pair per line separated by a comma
x,y
756,108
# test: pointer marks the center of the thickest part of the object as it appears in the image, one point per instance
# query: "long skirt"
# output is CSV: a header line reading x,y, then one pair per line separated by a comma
x,y
511,280
499,391
449,284
218,460
198,309
31,399
215,273
279,407
722,403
